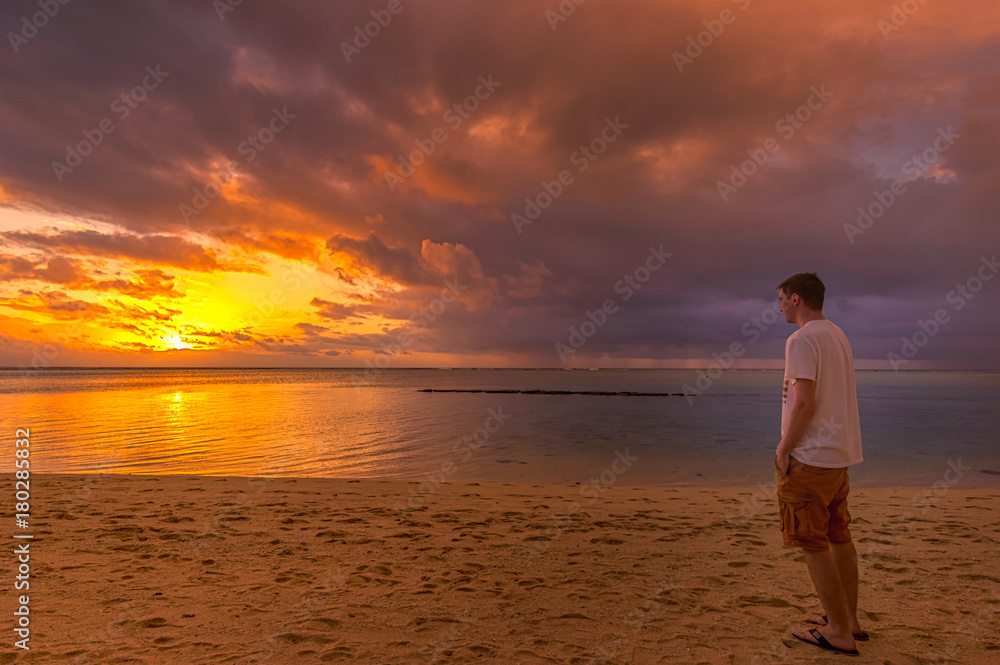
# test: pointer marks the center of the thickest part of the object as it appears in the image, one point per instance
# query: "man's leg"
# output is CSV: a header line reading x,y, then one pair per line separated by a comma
x,y
847,566
826,578
846,558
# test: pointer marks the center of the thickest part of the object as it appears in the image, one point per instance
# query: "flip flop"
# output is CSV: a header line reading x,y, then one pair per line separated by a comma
x,y
822,643
860,637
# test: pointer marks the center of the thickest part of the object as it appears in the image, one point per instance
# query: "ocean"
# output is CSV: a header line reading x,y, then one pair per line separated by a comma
x,y
918,428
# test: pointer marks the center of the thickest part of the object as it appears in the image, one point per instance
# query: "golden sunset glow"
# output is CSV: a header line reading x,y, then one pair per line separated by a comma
x,y
174,341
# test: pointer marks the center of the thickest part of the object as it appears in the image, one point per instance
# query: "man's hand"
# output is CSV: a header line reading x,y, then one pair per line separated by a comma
x,y
783,461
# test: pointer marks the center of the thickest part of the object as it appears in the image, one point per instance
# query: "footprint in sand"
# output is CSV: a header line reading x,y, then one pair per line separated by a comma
x,y
761,600
164,640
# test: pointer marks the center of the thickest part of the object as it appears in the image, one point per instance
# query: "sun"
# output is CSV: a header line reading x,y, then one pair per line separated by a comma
x,y
174,341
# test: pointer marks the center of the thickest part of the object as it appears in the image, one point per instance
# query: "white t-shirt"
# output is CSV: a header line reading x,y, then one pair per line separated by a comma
x,y
819,351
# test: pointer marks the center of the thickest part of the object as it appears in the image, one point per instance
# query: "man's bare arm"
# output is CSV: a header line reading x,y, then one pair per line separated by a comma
x,y
803,408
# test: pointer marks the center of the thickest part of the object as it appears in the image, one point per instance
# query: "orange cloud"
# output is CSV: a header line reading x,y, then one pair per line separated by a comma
x,y
150,283
160,249
56,269
56,304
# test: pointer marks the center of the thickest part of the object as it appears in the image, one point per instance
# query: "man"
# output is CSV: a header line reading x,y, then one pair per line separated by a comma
x,y
820,439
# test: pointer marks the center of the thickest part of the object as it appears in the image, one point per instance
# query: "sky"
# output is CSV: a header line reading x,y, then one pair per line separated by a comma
x,y
516,183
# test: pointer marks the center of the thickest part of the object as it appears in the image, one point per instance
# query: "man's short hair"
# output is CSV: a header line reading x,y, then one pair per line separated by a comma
x,y
808,286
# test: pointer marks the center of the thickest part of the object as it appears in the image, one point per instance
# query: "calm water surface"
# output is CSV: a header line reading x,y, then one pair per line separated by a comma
x,y
341,423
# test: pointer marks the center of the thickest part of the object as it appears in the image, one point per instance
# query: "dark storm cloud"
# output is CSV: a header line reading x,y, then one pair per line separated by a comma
x,y
397,263
323,176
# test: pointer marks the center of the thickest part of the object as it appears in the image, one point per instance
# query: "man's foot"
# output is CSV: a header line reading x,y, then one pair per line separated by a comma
x,y
816,637
856,628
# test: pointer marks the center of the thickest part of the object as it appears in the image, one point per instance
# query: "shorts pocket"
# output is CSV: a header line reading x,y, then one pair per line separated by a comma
x,y
801,513
797,523
785,515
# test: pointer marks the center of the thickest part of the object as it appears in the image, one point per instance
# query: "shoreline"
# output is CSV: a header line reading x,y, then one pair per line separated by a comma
x,y
691,485
204,569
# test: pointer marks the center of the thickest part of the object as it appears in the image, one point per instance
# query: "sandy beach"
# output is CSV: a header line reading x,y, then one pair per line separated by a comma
x,y
185,569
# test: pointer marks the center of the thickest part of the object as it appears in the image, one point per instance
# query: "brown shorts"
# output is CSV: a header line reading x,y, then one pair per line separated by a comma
x,y
812,503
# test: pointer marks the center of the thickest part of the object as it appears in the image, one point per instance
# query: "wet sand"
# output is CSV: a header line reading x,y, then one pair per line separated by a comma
x,y
185,569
